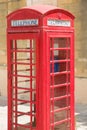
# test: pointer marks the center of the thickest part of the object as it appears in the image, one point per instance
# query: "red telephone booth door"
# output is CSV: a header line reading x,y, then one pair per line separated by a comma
x,y
22,87
61,81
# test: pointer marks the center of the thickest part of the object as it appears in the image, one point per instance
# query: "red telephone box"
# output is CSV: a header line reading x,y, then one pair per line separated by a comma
x,y
40,42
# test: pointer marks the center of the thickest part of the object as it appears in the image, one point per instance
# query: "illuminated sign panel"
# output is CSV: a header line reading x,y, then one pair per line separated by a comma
x,y
27,22
54,22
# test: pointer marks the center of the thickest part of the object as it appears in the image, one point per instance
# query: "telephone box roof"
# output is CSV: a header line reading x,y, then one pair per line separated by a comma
x,y
44,10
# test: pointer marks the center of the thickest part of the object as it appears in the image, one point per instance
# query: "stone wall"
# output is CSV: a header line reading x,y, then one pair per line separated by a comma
x,y
6,7
49,2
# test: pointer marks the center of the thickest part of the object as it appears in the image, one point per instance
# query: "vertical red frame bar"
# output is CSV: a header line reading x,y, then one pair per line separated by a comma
x,y
15,47
9,90
30,84
52,82
72,84
37,80
67,75
44,83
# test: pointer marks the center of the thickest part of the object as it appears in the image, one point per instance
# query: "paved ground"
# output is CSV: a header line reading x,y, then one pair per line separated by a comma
x,y
81,115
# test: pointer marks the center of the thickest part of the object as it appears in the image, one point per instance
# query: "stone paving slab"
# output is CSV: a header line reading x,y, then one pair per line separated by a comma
x,y
81,117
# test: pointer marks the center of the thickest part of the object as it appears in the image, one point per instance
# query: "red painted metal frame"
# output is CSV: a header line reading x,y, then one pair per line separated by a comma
x,y
71,107
44,35
16,37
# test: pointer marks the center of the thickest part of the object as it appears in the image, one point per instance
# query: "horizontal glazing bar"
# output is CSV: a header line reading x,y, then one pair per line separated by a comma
x,y
59,49
23,92
61,97
24,113
23,101
24,126
59,73
23,81
24,50
59,61
22,88
59,85
22,63
61,109
21,70
27,59
60,122
23,59
27,48
23,76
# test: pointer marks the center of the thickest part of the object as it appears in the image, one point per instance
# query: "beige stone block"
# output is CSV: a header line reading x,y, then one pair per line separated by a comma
x,y
3,42
81,90
3,59
51,2
64,1
12,6
3,6
3,82
3,1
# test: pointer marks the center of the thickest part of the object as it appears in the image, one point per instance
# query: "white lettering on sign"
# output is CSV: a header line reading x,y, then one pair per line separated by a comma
x,y
54,22
27,22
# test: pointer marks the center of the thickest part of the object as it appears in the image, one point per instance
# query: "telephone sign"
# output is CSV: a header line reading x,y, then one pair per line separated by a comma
x,y
62,23
28,22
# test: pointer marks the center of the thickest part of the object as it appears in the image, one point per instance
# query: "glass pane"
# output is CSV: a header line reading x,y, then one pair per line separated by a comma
x,y
62,42
55,66
23,119
63,126
23,82
60,116
61,91
23,70
65,102
23,95
60,79
22,44
23,107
